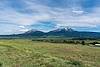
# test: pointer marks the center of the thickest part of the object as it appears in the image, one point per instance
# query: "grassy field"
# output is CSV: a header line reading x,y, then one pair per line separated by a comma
x,y
28,53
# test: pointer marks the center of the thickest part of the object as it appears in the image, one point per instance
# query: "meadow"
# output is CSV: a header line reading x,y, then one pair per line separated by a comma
x,y
28,53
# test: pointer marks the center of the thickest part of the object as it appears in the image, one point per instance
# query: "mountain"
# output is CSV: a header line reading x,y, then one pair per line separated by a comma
x,y
61,32
69,32
32,32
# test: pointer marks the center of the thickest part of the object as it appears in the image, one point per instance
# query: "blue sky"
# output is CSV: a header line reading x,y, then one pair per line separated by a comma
x,y
18,16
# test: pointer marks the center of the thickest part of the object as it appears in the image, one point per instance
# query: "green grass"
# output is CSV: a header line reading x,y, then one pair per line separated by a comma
x,y
27,53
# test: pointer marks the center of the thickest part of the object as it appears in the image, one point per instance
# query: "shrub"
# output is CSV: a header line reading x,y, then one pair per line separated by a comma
x,y
76,63
83,42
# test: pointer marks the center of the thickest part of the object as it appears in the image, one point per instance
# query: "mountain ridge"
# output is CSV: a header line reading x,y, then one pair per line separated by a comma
x,y
60,32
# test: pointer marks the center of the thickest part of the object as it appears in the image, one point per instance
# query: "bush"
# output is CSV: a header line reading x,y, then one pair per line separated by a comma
x,y
76,63
83,42
95,43
61,41
0,64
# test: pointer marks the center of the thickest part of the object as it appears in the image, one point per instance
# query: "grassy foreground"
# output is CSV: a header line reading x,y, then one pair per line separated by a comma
x,y
27,53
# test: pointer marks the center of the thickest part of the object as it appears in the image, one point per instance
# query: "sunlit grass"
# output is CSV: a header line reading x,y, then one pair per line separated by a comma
x,y
28,53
